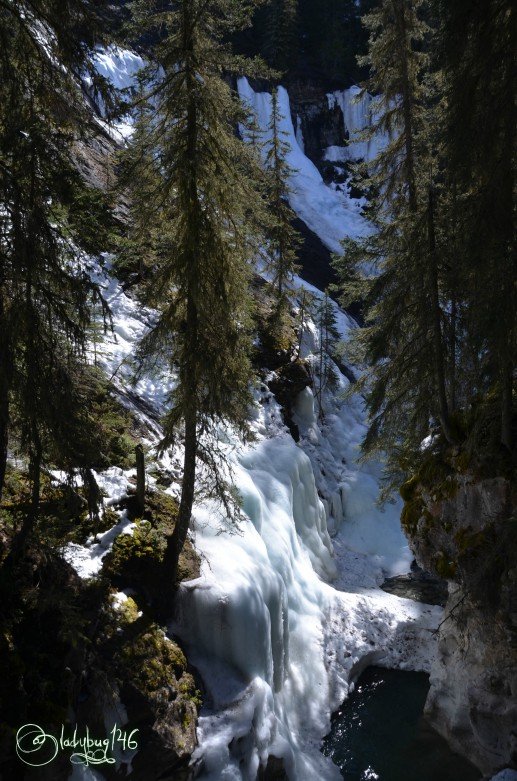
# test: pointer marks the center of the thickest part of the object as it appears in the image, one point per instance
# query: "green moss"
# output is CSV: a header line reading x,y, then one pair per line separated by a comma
x,y
161,510
128,611
462,462
433,471
135,558
411,514
445,567
468,540
149,659
408,489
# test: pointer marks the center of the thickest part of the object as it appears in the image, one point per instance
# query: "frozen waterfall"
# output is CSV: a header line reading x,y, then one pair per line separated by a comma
x,y
281,619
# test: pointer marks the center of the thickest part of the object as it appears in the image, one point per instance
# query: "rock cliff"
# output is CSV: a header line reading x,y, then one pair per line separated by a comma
x,y
466,531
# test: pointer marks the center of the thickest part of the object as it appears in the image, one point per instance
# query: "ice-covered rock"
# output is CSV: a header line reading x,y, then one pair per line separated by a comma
x,y
278,623
330,214
358,108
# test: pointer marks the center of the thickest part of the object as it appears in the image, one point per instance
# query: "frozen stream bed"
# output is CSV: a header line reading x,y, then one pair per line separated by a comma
x,y
282,616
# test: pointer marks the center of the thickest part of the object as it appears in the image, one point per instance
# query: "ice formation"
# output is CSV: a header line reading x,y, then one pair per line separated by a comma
x,y
329,213
282,619
118,66
358,109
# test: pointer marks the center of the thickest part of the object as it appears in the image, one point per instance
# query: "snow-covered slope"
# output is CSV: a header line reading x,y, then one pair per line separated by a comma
x,y
120,67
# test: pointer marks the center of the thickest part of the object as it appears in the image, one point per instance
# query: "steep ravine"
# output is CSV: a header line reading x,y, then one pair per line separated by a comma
x,y
282,618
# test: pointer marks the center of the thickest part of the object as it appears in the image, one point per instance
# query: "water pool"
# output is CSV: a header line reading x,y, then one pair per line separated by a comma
x,y
379,733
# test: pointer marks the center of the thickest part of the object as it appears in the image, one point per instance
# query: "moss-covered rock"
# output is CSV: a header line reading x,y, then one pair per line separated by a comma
x,y
157,689
411,514
136,560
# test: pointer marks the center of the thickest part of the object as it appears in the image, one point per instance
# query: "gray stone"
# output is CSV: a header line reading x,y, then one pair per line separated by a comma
x,y
472,701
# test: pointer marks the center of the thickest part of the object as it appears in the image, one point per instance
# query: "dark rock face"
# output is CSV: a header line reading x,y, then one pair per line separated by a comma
x,y
418,585
320,125
286,385
146,673
471,536
314,258
167,747
273,771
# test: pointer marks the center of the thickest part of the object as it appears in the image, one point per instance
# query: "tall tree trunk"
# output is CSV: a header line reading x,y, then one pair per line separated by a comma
x,y
4,417
507,405
189,371
4,439
452,352
140,477
20,540
5,382
399,10
436,323
178,538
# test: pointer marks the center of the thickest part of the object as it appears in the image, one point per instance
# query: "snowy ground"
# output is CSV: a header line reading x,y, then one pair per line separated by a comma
x,y
282,618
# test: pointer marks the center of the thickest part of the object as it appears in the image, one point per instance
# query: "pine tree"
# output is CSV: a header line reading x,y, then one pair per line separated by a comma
x,y
281,38
332,35
403,287
479,58
439,287
44,292
325,377
201,192
283,239
306,306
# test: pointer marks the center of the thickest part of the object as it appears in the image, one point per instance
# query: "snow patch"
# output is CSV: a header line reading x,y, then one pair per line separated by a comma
x,y
87,559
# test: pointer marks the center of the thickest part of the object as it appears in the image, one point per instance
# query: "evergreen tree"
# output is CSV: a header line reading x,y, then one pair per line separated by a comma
x,y
200,192
306,305
283,239
332,35
281,37
438,273
325,377
398,268
479,58
44,292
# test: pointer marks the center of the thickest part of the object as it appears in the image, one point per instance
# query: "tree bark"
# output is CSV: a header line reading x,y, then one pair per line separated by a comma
x,y
4,421
407,102
436,324
188,371
140,477
176,541
5,383
20,540
507,406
